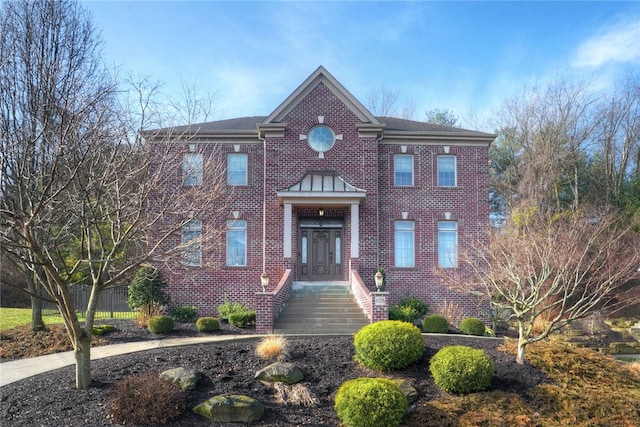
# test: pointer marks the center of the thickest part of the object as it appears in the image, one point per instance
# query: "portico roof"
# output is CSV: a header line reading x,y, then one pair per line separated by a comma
x,y
321,186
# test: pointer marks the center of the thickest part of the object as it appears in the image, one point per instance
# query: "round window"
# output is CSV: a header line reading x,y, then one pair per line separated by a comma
x,y
321,138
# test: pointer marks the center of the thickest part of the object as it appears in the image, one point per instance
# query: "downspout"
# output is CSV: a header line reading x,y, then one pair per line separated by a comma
x,y
378,139
264,201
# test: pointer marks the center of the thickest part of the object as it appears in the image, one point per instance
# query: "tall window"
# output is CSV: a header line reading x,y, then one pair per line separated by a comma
x,y
237,243
446,171
237,169
192,169
404,237
403,169
191,240
447,244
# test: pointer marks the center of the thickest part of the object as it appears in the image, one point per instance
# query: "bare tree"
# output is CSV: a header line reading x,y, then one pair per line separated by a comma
x,y
81,190
552,268
383,101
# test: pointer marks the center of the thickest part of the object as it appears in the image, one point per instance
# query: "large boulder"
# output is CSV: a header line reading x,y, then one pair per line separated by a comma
x,y
187,379
280,372
231,408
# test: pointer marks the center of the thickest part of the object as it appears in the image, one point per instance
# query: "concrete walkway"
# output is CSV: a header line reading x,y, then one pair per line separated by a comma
x,y
23,368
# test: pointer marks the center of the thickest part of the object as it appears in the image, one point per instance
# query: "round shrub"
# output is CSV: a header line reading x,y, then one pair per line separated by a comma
x,y
185,313
160,324
473,326
388,345
370,402
436,324
207,324
461,370
404,313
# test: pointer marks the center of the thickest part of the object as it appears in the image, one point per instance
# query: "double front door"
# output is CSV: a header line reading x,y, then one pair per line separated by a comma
x,y
320,255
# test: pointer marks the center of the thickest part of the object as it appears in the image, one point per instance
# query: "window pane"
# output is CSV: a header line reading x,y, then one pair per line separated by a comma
x,y
404,244
448,244
192,169
237,169
237,243
446,171
191,241
338,250
403,170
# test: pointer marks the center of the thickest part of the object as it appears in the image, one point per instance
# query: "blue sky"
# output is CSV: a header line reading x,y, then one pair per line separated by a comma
x,y
463,56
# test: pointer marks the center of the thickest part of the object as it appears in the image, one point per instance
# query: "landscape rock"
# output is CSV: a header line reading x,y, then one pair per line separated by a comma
x,y
187,379
409,391
231,408
280,372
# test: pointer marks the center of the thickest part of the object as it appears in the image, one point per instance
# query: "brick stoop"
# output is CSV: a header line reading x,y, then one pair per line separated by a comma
x,y
320,308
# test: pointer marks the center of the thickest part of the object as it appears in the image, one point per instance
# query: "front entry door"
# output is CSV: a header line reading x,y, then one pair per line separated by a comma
x,y
320,253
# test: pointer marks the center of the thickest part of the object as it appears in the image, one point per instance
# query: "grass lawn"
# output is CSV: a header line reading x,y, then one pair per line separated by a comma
x,y
12,317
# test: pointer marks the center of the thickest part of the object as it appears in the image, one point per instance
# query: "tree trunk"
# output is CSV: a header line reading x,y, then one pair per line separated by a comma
x,y
520,353
37,324
82,354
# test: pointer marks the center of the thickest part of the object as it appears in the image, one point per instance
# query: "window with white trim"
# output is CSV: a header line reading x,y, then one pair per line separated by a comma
x,y
403,170
446,171
192,169
237,243
237,167
447,244
191,242
404,240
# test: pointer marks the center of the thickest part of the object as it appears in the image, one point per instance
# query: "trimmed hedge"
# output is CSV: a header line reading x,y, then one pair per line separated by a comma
x,y
370,402
242,319
460,369
388,345
207,324
160,324
473,326
436,324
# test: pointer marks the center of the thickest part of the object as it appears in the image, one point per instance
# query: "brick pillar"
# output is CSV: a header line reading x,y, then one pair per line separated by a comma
x,y
379,306
264,312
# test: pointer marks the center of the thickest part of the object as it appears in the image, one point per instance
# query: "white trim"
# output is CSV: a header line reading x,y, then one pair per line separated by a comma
x,y
287,244
355,230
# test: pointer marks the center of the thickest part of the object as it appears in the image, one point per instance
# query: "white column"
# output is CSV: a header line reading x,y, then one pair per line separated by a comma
x,y
355,230
288,211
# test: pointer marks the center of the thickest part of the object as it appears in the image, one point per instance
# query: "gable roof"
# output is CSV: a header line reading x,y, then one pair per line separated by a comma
x,y
321,75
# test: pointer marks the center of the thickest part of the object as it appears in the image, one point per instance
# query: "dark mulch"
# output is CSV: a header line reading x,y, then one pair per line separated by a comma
x,y
51,400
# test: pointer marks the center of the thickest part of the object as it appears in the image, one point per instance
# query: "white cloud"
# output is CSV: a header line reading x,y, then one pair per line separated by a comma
x,y
617,44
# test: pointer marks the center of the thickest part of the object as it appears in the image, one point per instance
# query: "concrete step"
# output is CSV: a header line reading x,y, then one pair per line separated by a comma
x,y
317,308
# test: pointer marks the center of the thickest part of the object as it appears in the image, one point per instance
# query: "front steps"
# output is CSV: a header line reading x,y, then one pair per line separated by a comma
x,y
320,308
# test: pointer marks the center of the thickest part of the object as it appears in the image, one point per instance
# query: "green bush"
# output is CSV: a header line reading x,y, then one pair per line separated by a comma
x,y
404,314
461,370
242,319
370,402
103,329
435,323
207,324
146,288
227,308
160,324
388,345
145,399
185,313
420,307
473,326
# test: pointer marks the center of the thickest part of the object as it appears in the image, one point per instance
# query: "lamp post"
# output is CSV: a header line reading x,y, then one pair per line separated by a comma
x,y
378,279
264,281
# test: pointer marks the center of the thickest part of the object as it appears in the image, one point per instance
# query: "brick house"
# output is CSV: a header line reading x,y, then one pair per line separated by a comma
x,y
338,193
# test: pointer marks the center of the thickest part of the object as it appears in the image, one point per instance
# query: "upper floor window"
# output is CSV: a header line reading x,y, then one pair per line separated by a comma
x,y
447,244
446,171
192,169
237,169
404,238
191,241
403,169
237,243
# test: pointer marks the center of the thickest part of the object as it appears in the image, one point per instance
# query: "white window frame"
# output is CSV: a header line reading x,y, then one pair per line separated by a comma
x,y
191,242
192,169
238,176
448,244
404,244
441,182
236,230
398,165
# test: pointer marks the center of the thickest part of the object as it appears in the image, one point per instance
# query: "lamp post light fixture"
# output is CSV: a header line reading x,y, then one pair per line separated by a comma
x,y
378,279
264,281
321,212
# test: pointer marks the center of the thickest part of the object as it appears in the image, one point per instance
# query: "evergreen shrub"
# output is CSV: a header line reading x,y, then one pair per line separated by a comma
x,y
370,402
227,308
160,324
207,324
460,369
436,324
388,345
185,313
242,319
473,326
